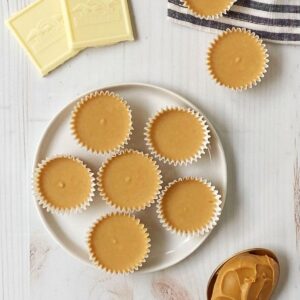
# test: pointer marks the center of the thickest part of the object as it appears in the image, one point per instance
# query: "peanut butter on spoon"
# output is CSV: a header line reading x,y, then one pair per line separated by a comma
x,y
246,276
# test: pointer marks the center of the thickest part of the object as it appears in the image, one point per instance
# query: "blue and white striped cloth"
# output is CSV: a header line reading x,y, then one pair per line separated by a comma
x,y
276,21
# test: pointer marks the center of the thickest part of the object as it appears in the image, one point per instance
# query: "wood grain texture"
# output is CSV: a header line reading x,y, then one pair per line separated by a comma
x,y
258,128
297,200
14,191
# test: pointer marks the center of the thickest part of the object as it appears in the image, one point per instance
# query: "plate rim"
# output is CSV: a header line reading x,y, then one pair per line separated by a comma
x,y
116,85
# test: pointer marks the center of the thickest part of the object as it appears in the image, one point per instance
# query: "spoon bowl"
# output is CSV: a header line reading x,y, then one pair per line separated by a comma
x,y
255,251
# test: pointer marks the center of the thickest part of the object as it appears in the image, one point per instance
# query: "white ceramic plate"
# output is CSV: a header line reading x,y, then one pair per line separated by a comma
x,y
167,249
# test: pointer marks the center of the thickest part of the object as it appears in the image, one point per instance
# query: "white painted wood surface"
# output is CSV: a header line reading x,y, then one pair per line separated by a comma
x,y
260,130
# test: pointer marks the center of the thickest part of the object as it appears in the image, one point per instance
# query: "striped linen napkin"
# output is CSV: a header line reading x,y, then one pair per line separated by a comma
x,y
273,20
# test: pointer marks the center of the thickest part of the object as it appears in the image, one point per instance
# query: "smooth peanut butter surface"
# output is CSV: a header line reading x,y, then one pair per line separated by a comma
x,y
64,183
237,59
102,123
177,135
130,180
246,277
208,7
188,205
119,243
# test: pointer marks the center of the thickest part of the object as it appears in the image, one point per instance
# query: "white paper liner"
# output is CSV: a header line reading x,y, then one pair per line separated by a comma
x,y
170,161
201,231
208,17
81,102
49,206
97,263
259,41
116,206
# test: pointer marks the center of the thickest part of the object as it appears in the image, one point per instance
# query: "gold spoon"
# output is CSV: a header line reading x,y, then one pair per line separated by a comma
x,y
255,251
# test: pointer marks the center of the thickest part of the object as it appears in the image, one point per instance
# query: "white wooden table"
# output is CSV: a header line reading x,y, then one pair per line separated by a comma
x,y
260,130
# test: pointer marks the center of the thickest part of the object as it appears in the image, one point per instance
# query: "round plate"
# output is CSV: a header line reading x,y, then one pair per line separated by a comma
x,y
145,100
